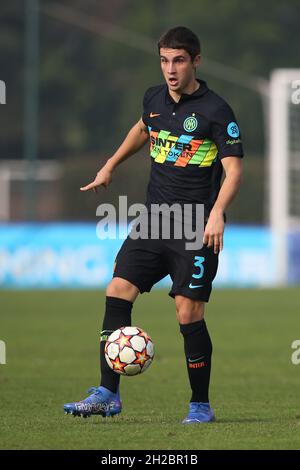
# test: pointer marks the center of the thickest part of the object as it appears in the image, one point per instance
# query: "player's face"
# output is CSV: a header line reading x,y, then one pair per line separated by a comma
x,y
178,69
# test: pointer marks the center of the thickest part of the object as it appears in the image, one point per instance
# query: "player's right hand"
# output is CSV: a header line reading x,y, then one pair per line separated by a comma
x,y
103,178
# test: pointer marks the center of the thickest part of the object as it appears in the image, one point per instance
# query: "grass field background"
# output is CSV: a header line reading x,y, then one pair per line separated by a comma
x,y
52,358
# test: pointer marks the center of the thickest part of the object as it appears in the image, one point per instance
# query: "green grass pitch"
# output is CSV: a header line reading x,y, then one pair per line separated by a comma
x,y
52,357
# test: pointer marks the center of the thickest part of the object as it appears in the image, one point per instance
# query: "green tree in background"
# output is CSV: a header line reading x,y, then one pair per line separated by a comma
x,y
92,83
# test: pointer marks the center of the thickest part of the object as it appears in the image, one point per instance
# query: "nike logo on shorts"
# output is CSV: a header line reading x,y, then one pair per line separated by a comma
x,y
191,286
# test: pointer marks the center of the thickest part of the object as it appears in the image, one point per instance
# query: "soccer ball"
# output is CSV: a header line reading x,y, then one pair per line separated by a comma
x,y
129,351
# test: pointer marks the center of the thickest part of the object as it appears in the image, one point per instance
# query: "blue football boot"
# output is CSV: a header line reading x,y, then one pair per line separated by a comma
x,y
199,413
100,402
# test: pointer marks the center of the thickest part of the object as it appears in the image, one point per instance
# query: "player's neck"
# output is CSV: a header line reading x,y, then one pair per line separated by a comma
x,y
188,90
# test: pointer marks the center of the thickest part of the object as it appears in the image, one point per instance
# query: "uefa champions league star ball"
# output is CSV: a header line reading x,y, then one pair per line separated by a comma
x,y
129,350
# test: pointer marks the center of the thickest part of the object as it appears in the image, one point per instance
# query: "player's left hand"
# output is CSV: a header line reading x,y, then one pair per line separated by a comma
x,y
214,230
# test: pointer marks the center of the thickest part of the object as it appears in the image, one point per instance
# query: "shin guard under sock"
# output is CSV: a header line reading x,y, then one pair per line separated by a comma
x,y
198,351
117,314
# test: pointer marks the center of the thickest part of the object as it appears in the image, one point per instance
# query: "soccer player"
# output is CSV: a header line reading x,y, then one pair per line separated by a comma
x,y
193,136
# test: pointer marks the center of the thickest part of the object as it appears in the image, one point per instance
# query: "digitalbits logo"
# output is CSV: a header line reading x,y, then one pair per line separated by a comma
x,y
2,92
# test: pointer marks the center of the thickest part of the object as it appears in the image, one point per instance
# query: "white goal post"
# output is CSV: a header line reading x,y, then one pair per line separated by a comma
x,y
19,170
284,163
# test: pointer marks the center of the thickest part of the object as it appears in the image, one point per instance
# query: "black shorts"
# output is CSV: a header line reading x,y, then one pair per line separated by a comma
x,y
144,262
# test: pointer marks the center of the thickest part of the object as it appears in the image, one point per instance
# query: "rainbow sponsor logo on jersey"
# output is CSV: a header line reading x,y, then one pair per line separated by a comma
x,y
181,149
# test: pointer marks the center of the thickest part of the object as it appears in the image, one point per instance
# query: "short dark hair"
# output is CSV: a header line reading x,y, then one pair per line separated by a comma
x,y
180,37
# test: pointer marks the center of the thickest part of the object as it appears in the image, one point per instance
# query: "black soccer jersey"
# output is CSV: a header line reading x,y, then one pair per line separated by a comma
x,y
188,139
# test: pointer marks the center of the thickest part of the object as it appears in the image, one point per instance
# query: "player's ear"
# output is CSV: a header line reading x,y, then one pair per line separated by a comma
x,y
197,61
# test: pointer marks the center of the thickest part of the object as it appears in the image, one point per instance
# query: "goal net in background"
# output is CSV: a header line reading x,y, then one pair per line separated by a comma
x,y
284,172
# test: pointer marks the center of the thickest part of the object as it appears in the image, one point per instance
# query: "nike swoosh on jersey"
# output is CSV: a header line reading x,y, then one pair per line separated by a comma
x,y
152,115
191,286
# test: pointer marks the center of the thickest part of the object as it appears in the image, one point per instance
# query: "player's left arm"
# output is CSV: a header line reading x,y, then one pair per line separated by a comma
x,y
214,230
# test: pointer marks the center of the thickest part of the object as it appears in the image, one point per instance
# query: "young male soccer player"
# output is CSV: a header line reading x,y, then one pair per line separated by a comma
x,y
193,136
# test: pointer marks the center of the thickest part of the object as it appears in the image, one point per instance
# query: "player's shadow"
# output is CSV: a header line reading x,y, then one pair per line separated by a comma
x,y
244,420
127,421
119,421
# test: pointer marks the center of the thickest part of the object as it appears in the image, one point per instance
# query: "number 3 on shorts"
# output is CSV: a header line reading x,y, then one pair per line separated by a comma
x,y
199,260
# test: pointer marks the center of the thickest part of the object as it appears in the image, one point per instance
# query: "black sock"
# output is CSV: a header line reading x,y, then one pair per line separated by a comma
x,y
198,351
117,314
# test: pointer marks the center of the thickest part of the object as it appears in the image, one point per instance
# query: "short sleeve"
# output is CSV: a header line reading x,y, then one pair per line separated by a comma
x,y
226,133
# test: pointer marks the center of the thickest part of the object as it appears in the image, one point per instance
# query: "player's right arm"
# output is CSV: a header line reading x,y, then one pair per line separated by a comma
x,y
134,141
